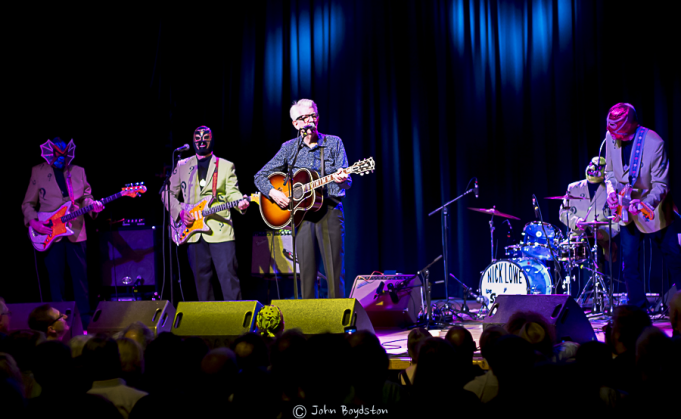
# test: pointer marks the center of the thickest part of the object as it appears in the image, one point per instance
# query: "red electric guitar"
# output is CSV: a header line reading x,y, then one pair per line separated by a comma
x,y
59,219
622,211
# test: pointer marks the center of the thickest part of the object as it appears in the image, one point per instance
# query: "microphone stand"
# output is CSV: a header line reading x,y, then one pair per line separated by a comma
x,y
445,235
425,273
165,187
556,267
289,180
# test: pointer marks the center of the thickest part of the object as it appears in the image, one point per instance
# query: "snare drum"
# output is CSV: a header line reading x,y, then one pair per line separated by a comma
x,y
515,276
573,252
515,251
536,243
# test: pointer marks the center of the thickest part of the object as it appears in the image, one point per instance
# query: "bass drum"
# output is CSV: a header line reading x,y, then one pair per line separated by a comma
x,y
515,276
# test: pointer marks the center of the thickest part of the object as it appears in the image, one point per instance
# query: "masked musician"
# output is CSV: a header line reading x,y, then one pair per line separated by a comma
x,y
197,177
324,228
636,156
53,184
594,208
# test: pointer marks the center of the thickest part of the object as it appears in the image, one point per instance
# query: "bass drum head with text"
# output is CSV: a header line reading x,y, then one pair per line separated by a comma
x,y
516,276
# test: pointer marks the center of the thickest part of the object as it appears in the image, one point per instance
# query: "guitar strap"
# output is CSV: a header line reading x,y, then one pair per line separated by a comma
x,y
321,156
69,187
636,152
215,179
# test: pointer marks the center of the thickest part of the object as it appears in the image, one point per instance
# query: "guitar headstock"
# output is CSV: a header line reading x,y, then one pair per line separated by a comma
x,y
133,189
362,166
255,197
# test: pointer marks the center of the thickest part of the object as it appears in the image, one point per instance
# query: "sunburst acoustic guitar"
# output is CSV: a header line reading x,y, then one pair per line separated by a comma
x,y
305,197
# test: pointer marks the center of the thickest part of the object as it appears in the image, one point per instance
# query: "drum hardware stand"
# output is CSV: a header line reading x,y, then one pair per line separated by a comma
x,y
464,307
445,231
556,266
428,322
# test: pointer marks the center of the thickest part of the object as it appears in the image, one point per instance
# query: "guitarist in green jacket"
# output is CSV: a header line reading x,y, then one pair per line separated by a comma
x,y
193,179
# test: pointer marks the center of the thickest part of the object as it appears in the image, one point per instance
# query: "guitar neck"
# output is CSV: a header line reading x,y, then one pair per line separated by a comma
x,y
221,207
322,181
89,208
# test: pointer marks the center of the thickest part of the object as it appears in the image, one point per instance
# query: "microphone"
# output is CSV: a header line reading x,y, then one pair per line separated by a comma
x,y
393,294
536,207
476,190
183,148
303,130
379,290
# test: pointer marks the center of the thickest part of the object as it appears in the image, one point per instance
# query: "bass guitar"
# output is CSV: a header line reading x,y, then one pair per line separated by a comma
x,y
622,212
305,198
59,220
201,212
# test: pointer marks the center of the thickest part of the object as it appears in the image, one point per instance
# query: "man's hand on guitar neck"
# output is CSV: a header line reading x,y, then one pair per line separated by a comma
x,y
279,197
40,227
244,203
187,218
340,176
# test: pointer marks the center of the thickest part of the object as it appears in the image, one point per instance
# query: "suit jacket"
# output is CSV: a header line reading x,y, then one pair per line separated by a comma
x,y
185,181
577,208
652,182
43,194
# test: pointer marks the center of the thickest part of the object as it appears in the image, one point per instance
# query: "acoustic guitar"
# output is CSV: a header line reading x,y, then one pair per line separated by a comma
x,y
305,197
59,220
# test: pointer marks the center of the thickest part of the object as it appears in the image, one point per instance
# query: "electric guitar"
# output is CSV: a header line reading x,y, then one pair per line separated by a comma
x,y
59,220
201,211
622,211
305,198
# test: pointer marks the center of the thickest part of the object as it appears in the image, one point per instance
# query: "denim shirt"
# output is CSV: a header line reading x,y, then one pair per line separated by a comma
x,y
309,158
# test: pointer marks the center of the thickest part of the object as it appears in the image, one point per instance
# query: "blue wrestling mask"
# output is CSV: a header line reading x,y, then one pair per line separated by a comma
x,y
57,153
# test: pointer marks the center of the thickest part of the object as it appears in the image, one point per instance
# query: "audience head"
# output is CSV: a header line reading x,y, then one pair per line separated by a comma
x,y
140,333
334,385
462,340
488,338
510,357
4,317
270,321
219,371
675,312
251,351
21,346
628,323
414,341
9,371
11,384
438,368
101,358
654,354
53,366
534,328
368,365
77,343
132,356
48,320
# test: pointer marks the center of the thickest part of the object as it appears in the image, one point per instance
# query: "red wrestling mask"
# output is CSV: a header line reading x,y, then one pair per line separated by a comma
x,y
622,121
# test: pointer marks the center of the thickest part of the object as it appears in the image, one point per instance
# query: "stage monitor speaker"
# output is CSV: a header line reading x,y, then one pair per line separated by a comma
x,y
219,322
560,310
272,253
113,316
324,315
21,311
389,300
128,255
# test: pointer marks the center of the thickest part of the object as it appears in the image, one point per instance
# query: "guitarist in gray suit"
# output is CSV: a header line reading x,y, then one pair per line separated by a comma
x,y
637,182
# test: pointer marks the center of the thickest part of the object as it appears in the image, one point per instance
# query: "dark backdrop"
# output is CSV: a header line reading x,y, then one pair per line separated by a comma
x,y
514,93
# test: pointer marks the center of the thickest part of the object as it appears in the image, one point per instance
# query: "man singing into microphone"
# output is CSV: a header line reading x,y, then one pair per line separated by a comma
x,y
196,178
324,228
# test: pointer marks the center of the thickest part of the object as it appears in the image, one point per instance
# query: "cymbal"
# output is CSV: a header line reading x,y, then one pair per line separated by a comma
x,y
592,223
566,196
494,211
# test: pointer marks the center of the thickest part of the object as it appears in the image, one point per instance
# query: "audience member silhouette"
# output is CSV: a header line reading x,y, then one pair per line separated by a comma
x,y
414,340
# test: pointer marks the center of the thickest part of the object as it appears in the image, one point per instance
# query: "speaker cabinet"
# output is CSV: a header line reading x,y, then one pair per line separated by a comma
x,y
128,256
21,311
219,322
324,315
113,316
389,300
560,310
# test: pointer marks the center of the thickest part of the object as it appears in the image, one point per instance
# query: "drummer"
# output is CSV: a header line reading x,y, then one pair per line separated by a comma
x,y
594,208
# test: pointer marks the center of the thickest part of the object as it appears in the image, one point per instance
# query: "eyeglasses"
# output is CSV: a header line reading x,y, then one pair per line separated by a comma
x,y
302,118
61,316
6,313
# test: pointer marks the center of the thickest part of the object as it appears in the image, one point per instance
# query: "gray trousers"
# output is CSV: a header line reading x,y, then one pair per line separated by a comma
x,y
221,255
324,229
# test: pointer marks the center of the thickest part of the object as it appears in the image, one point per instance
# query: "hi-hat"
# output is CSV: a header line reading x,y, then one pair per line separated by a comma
x,y
493,211
566,196
592,223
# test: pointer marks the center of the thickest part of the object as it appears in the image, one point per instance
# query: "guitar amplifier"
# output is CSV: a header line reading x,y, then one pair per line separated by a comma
x,y
272,253
129,256
389,300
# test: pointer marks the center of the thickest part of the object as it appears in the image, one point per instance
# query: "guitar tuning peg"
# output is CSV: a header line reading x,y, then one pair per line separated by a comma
x,y
127,185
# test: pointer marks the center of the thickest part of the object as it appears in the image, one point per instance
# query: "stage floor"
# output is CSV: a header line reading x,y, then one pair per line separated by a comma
x,y
395,340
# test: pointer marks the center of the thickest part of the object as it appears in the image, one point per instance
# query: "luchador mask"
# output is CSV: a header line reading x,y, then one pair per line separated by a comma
x,y
595,171
203,140
57,153
622,121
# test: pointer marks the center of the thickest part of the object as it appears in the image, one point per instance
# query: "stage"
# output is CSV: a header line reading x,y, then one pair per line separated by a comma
x,y
394,340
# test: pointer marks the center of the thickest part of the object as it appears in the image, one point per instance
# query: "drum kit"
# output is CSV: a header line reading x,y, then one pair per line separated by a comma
x,y
526,268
